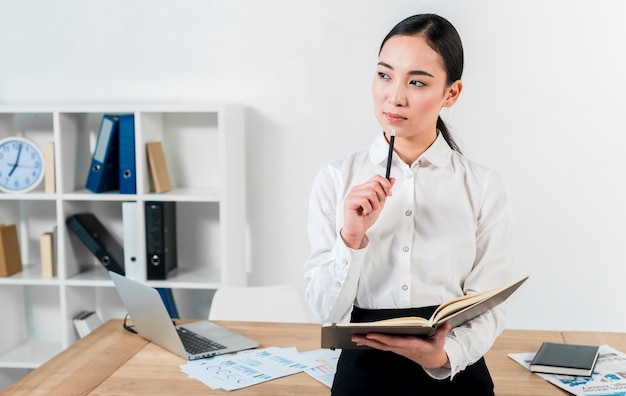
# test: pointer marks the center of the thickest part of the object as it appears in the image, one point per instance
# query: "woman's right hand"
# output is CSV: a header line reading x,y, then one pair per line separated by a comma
x,y
362,206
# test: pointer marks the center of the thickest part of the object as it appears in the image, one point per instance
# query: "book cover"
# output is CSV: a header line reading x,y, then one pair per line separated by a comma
x,y
566,359
85,322
103,173
159,174
455,312
10,255
78,323
49,176
128,180
91,322
46,247
100,242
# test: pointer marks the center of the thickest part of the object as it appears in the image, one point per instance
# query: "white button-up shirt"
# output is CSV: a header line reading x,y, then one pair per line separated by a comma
x,y
445,231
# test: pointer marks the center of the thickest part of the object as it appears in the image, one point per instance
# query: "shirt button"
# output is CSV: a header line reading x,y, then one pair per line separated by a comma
x,y
408,213
337,284
345,261
405,249
409,175
405,287
419,163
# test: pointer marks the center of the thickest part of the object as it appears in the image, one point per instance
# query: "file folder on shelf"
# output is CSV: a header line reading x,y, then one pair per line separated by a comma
x,y
85,322
168,300
98,240
161,252
103,173
127,178
49,175
159,174
47,253
132,249
10,255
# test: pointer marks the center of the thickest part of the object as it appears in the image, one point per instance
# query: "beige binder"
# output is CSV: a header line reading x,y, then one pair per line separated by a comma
x,y
49,176
46,246
10,257
158,167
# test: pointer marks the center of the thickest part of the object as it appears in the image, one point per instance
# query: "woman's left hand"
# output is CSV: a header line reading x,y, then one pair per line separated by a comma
x,y
427,352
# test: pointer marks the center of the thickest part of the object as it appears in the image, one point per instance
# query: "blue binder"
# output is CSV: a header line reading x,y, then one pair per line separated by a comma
x,y
168,300
128,180
103,173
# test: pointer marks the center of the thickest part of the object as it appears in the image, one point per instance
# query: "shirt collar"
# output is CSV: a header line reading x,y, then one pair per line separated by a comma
x,y
438,153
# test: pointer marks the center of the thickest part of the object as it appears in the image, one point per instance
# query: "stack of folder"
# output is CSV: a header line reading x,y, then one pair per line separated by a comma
x,y
112,167
161,242
113,160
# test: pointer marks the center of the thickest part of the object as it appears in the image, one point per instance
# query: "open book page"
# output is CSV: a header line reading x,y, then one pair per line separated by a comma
x,y
460,303
444,311
455,312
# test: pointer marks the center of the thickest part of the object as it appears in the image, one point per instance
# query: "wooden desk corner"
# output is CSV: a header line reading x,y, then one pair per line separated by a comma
x,y
112,361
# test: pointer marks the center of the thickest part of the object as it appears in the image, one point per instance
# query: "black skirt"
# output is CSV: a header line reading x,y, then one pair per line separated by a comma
x,y
368,371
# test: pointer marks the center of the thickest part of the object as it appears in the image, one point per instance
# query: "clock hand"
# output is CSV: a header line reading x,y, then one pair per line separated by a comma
x,y
23,166
17,160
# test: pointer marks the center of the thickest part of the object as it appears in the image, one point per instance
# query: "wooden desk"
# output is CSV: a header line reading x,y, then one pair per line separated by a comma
x,y
111,361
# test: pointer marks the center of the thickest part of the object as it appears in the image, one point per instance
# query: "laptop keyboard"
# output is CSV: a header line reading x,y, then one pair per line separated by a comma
x,y
195,343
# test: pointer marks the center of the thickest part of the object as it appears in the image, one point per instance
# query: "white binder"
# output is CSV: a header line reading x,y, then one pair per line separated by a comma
x,y
132,249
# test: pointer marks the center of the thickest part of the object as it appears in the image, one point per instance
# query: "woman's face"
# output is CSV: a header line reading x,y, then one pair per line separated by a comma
x,y
410,88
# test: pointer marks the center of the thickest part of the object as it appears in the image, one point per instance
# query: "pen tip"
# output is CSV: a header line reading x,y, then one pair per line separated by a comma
x,y
393,131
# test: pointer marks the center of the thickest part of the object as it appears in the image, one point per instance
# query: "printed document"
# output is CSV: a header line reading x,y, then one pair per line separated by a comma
x,y
608,378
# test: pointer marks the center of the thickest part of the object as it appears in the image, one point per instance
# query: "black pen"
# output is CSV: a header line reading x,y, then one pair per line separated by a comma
x,y
392,137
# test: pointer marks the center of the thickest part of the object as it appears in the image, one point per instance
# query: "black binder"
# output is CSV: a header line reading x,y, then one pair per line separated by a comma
x,y
160,239
98,240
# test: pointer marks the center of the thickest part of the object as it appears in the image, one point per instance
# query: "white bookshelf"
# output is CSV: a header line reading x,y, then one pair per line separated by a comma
x,y
204,150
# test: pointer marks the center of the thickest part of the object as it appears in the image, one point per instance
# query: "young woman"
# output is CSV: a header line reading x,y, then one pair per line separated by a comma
x,y
438,228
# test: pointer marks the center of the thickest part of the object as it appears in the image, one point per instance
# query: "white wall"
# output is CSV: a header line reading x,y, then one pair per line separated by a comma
x,y
542,105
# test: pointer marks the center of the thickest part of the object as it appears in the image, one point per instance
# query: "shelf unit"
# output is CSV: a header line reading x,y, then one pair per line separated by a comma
x,y
204,151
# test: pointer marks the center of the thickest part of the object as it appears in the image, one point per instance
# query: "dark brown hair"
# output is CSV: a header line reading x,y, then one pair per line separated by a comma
x,y
443,38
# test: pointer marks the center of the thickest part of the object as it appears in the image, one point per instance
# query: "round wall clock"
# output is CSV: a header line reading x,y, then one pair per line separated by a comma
x,y
21,165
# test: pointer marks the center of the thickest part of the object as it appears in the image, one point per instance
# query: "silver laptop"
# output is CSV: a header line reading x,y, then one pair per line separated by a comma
x,y
191,341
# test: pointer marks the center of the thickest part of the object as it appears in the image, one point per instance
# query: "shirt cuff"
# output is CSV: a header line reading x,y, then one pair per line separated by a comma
x,y
347,256
440,373
453,350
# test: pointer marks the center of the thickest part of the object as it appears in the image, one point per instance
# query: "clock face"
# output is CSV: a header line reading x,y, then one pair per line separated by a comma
x,y
21,165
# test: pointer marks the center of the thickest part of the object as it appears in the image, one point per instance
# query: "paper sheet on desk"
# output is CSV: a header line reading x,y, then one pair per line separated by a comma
x,y
325,372
246,368
608,379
